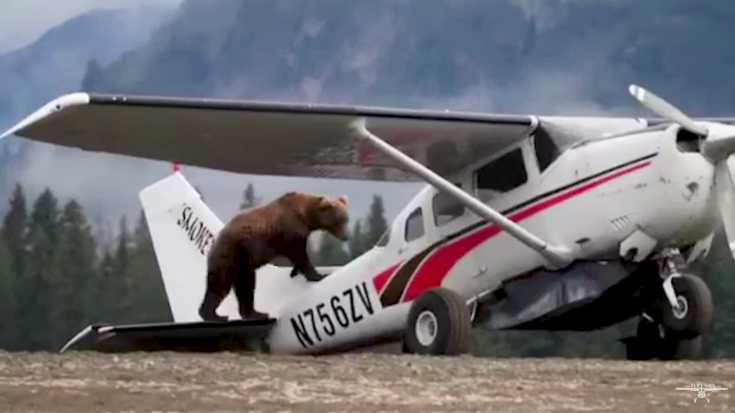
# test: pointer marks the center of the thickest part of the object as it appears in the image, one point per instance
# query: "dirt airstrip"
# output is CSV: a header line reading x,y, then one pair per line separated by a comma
x,y
228,382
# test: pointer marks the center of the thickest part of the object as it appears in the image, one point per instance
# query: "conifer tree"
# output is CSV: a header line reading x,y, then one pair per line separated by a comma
x,y
376,223
120,283
36,287
149,300
332,251
249,198
15,225
356,243
76,261
8,339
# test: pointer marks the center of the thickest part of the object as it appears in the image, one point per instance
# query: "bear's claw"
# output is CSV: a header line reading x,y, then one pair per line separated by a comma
x,y
316,277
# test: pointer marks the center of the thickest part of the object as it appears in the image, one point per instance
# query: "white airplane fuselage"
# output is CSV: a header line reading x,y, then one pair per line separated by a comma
x,y
590,199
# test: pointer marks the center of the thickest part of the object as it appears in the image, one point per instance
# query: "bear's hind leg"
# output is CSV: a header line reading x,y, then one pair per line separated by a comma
x,y
245,292
217,289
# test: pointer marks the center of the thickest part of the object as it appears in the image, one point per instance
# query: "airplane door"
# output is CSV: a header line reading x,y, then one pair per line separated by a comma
x,y
449,219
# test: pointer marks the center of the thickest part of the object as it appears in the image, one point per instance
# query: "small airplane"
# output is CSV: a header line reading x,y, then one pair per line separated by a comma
x,y
527,222
700,392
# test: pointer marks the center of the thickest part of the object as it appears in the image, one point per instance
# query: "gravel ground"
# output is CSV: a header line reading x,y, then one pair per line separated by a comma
x,y
169,382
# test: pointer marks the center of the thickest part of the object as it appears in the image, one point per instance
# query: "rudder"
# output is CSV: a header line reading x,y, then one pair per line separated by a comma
x,y
182,230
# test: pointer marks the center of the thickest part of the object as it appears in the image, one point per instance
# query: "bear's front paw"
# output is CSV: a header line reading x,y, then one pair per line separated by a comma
x,y
316,277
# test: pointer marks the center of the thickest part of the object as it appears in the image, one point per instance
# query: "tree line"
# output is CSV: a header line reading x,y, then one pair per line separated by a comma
x,y
59,274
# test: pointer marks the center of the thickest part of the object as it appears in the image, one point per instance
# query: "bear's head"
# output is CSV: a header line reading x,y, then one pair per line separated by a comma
x,y
331,215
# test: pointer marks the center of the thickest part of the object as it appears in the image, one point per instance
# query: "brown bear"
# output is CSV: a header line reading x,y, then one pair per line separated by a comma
x,y
256,236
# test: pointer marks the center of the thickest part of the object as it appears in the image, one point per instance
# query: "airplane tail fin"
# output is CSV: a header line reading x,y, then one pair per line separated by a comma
x,y
182,229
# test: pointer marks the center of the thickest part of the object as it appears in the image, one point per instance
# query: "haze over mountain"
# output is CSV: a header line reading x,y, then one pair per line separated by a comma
x,y
55,64
23,21
550,57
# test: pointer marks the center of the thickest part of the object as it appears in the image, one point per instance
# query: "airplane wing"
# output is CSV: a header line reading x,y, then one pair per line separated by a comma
x,y
287,139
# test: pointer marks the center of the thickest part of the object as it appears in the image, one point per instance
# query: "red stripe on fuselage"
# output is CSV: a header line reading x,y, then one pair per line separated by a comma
x,y
380,280
433,270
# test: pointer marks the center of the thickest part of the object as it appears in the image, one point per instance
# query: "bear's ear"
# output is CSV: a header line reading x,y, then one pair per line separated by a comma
x,y
324,202
343,199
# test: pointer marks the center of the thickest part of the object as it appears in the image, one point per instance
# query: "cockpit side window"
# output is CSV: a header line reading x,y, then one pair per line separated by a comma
x,y
446,208
546,150
501,175
414,225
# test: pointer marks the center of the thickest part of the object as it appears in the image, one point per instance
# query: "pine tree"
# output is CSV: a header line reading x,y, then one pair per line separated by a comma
x,y
12,258
376,224
92,76
15,224
356,244
249,198
120,283
36,287
332,251
150,303
76,261
101,298
8,328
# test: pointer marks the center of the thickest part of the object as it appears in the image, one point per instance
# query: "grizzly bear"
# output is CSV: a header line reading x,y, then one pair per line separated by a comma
x,y
256,236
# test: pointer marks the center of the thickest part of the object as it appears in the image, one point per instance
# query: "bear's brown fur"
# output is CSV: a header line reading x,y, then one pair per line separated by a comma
x,y
256,236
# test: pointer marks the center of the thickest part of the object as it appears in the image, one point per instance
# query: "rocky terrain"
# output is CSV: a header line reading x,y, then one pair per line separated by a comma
x,y
169,382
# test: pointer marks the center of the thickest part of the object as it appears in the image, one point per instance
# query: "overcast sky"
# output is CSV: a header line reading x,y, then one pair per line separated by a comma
x,y
22,21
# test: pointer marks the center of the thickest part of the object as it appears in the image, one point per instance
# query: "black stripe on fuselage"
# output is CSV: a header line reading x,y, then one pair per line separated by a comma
x,y
393,291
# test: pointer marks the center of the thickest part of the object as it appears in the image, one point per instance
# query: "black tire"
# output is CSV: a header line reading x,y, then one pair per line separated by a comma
x,y
683,349
699,315
451,318
650,344
647,342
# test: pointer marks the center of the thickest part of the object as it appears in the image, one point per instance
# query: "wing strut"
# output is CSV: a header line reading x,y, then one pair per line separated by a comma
x,y
557,257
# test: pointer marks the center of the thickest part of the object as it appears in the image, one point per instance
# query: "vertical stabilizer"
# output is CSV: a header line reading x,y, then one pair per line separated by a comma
x,y
183,230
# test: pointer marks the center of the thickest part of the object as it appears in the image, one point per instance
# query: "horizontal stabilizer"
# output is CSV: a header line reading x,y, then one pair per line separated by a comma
x,y
237,335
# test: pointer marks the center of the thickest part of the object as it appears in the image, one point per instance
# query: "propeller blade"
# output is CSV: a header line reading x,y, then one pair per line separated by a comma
x,y
718,148
726,200
666,110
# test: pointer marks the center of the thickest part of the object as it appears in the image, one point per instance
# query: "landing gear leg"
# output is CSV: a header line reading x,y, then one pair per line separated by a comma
x,y
674,328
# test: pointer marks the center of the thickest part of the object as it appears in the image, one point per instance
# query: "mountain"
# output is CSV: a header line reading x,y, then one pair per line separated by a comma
x,y
550,56
56,63
553,56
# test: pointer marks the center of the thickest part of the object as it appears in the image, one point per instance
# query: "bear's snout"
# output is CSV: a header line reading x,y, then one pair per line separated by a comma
x,y
342,233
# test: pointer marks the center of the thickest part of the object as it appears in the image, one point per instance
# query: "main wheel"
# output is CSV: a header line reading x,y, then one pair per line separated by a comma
x,y
438,324
696,313
683,349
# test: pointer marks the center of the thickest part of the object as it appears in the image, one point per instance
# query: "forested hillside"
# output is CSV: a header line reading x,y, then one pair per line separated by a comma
x,y
551,56
59,274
